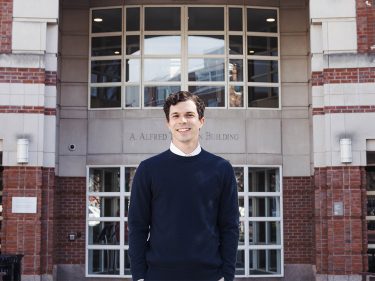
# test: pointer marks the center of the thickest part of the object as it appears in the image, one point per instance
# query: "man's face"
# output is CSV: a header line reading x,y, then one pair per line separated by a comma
x,y
184,123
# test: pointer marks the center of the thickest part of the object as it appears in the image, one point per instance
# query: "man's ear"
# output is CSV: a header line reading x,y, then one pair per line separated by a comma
x,y
202,120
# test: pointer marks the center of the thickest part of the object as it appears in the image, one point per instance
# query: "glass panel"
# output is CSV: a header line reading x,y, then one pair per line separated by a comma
x,y
105,71
132,96
236,96
370,205
235,19
206,18
104,233
265,180
240,263
127,263
133,45
262,46
235,45
104,180
371,260
371,232
370,157
104,262
132,19
263,71
235,70
213,96
133,70
205,69
106,46
261,20
104,206
206,44
264,262
238,171
106,20
267,97
241,240
264,207
265,233
129,175
241,206
105,97
162,45
127,203
126,234
156,95
162,18
162,70
251,232
370,174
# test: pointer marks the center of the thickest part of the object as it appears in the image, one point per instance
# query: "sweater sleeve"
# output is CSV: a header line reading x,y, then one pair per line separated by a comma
x,y
228,222
139,222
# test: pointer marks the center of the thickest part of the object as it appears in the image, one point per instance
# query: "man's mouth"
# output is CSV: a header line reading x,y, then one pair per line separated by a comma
x,y
183,130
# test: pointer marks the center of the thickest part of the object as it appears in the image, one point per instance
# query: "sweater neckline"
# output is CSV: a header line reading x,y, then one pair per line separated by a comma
x,y
185,158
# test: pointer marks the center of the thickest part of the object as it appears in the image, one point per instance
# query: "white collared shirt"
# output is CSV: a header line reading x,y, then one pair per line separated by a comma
x,y
178,151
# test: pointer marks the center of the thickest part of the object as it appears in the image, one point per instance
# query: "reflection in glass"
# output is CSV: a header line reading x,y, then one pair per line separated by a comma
x,y
264,180
104,206
235,45
251,232
266,97
127,263
235,70
127,204
104,233
104,180
265,262
240,263
155,95
129,175
261,20
241,206
265,233
213,96
132,45
263,71
132,96
241,240
206,18
104,71
371,232
206,69
162,45
106,46
239,174
206,44
104,262
235,19
132,19
162,70
236,96
105,97
370,176
262,46
370,205
126,234
162,18
133,70
264,207
106,20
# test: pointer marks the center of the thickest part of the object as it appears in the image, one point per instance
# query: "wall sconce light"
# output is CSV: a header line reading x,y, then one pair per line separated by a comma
x,y
22,151
346,150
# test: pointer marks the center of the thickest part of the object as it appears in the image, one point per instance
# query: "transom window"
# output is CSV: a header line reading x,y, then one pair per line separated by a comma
x,y
228,55
260,250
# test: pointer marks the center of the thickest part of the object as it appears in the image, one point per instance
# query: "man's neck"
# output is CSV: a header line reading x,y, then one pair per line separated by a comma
x,y
187,149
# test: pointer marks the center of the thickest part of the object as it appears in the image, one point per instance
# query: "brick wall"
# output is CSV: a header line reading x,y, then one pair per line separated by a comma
x,y
22,75
343,75
298,220
70,214
339,240
366,26
6,16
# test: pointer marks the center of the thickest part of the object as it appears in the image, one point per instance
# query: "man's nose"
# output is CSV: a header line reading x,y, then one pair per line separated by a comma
x,y
183,119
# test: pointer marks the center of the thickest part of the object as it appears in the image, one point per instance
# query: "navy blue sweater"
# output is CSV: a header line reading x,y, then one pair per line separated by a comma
x,y
183,218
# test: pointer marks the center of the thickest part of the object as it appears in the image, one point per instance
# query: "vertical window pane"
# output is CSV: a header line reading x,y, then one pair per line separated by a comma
x,y
241,206
162,45
239,178
265,262
127,263
206,18
105,71
162,70
213,96
133,45
235,70
240,263
206,69
206,44
104,180
106,20
235,45
129,175
162,18
132,19
236,96
267,97
106,46
264,180
133,70
104,262
262,46
127,203
263,71
126,233
265,233
370,175
370,205
106,206
241,240
235,19
132,96
371,232
104,233
261,20
102,97
155,95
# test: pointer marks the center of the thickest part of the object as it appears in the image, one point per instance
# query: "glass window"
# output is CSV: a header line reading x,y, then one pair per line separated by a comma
x,y
263,71
104,233
162,45
106,46
206,69
132,96
155,95
206,18
235,68
104,180
102,97
132,19
162,18
106,20
206,44
262,46
162,70
262,20
235,19
236,96
104,262
265,262
235,45
132,45
133,70
213,96
370,214
104,206
104,71
266,97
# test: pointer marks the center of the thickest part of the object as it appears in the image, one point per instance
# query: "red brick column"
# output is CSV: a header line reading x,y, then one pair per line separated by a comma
x,y
365,26
339,240
6,17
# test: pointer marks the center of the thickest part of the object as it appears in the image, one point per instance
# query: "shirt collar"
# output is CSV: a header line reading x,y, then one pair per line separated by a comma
x,y
177,151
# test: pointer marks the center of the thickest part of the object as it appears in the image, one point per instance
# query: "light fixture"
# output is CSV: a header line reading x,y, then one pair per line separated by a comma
x,y
117,52
270,19
251,52
346,150
22,151
98,19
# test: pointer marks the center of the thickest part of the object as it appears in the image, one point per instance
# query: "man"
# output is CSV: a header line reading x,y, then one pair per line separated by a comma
x,y
183,216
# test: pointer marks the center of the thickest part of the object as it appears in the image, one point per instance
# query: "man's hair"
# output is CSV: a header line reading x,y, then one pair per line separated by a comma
x,y
181,96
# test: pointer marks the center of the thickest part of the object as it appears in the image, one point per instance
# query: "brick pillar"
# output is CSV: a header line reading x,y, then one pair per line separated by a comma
x,y
365,26
339,240
6,17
